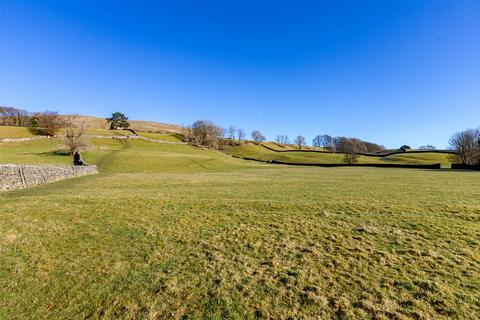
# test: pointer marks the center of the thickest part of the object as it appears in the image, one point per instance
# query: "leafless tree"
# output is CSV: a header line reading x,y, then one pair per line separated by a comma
x,y
279,140
300,142
316,142
240,134
327,141
74,138
187,133
258,137
427,147
324,141
222,134
467,146
373,147
350,158
205,133
349,145
282,140
10,116
47,123
232,132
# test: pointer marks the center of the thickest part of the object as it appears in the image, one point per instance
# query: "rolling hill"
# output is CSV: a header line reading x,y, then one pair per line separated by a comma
x,y
289,155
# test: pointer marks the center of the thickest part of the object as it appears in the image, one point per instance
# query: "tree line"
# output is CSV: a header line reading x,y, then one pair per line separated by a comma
x,y
207,133
42,123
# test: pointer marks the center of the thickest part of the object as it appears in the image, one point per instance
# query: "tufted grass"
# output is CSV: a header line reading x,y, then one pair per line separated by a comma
x,y
172,231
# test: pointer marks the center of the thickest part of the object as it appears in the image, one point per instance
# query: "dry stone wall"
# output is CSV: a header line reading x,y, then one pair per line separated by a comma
x,y
15,176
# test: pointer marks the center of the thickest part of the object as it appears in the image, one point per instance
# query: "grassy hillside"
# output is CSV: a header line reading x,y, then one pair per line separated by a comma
x,y
21,132
144,126
14,132
172,231
250,150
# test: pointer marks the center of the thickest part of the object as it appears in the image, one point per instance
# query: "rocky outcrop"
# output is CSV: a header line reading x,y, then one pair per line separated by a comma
x,y
15,176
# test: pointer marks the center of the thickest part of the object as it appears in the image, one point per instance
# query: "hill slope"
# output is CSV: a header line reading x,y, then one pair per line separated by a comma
x,y
138,125
250,150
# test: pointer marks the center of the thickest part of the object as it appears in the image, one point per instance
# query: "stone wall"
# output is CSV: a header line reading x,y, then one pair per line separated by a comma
x,y
14,176
23,139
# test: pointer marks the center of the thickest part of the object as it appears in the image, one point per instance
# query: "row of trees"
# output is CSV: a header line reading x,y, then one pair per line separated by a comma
x,y
10,116
300,142
43,123
347,145
46,123
208,134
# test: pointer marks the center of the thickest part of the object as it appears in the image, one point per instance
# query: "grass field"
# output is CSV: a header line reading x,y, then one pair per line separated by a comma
x,y
176,232
15,132
259,152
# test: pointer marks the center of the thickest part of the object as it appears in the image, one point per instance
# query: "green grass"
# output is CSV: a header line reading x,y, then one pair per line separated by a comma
x,y
106,132
172,231
165,136
44,151
251,150
15,132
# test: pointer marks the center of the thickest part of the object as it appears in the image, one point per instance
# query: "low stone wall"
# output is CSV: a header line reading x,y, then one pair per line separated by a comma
x,y
134,137
23,139
15,176
465,166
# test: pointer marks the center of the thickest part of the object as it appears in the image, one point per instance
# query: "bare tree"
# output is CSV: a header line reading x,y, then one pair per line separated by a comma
x,y
47,123
205,133
337,143
187,133
10,116
282,140
222,133
325,141
349,145
232,132
74,138
300,142
258,137
467,146
427,147
278,140
316,142
350,158
240,134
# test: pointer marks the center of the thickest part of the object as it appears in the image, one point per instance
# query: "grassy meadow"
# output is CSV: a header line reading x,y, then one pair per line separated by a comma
x,y
259,152
170,231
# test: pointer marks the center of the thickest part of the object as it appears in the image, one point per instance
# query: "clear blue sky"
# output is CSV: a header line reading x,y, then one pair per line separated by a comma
x,y
391,72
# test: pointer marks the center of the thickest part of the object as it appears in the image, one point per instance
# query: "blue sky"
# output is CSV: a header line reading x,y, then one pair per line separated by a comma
x,y
391,72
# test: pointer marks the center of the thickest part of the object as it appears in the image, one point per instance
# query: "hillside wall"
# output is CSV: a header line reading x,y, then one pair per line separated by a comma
x,y
375,165
465,166
14,176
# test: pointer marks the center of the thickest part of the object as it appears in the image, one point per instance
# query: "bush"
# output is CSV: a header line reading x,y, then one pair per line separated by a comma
x,y
47,123
350,158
